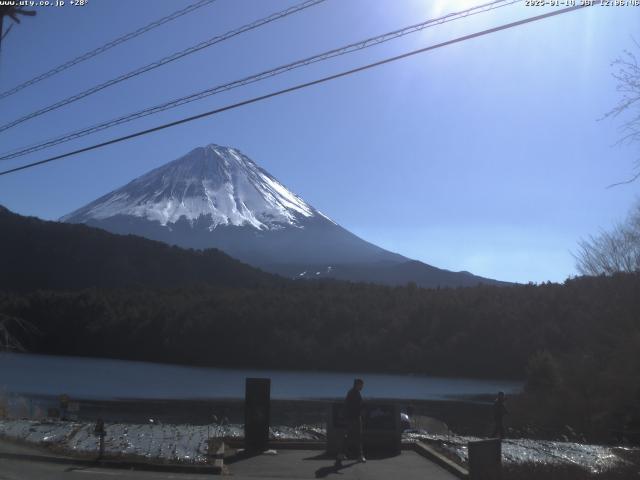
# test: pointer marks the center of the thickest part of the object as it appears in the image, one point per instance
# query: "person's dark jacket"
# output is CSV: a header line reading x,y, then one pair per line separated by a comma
x,y
499,410
353,404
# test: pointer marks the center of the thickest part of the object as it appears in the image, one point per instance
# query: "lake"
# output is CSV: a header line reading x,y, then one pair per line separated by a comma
x,y
97,378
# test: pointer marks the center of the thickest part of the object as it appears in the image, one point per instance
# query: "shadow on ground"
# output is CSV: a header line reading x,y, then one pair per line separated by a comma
x,y
337,467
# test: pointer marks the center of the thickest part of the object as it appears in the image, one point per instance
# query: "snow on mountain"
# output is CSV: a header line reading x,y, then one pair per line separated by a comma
x,y
212,181
216,197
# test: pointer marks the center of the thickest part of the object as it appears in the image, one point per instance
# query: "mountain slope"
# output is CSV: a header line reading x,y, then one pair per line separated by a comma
x,y
209,181
217,197
36,254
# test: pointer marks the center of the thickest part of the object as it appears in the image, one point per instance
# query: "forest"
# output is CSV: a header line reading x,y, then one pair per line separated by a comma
x,y
74,290
38,254
575,344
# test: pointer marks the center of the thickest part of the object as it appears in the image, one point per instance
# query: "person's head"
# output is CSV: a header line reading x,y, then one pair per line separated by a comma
x,y
358,383
501,396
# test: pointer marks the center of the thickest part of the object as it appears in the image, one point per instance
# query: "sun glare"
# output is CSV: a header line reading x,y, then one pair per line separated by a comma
x,y
441,7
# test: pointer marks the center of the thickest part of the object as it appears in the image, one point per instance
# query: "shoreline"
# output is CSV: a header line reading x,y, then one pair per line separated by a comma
x,y
464,415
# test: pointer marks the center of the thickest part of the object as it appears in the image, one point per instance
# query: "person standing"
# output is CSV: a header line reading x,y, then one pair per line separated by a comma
x,y
353,415
499,411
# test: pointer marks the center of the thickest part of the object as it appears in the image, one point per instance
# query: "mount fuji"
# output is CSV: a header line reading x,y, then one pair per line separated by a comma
x,y
216,197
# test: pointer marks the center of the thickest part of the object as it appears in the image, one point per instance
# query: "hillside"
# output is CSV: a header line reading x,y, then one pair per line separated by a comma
x,y
217,197
37,254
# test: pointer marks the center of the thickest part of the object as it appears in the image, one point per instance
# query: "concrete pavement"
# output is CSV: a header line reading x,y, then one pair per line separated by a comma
x,y
22,461
18,462
308,464
12,469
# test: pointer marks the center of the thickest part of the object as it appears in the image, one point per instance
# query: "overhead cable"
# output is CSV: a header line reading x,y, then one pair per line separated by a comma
x,y
300,86
163,61
107,46
353,47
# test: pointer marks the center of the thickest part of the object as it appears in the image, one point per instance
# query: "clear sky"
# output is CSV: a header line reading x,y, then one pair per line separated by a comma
x,y
486,156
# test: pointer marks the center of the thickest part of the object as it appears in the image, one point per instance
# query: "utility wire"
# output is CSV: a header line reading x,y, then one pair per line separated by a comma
x,y
370,42
300,86
165,60
105,47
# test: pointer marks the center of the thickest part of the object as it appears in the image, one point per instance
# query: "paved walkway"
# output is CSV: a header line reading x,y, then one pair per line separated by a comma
x,y
11,469
21,448
25,462
307,464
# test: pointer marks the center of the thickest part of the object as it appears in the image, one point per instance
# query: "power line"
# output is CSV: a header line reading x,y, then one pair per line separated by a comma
x,y
105,47
300,86
163,61
369,42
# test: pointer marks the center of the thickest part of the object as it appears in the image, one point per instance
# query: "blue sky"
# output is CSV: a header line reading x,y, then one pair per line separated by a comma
x,y
486,156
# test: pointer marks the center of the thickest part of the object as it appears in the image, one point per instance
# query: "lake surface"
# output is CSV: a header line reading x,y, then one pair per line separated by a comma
x,y
95,378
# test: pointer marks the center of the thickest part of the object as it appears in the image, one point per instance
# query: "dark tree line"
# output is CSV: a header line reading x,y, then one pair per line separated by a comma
x,y
478,331
35,254
73,290
576,344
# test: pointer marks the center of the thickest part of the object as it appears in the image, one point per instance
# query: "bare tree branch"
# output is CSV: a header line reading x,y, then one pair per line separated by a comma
x,y
627,73
625,182
614,251
9,326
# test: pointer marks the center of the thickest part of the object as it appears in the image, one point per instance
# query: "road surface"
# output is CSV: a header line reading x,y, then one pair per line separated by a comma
x,y
20,463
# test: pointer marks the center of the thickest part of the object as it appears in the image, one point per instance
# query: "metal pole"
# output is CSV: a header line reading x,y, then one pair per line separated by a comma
x,y
100,455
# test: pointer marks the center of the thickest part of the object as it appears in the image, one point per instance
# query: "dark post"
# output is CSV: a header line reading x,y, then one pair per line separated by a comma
x,y
257,413
64,404
100,432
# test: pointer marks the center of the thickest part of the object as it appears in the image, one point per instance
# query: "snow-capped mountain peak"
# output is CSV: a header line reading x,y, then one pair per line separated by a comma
x,y
216,197
213,181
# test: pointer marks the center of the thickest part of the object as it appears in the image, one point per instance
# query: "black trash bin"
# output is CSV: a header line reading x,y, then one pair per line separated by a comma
x,y
485,459
381,429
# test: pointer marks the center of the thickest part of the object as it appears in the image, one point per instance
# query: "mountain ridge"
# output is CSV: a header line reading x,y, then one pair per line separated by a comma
x,y
40,254
221,177
217,197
